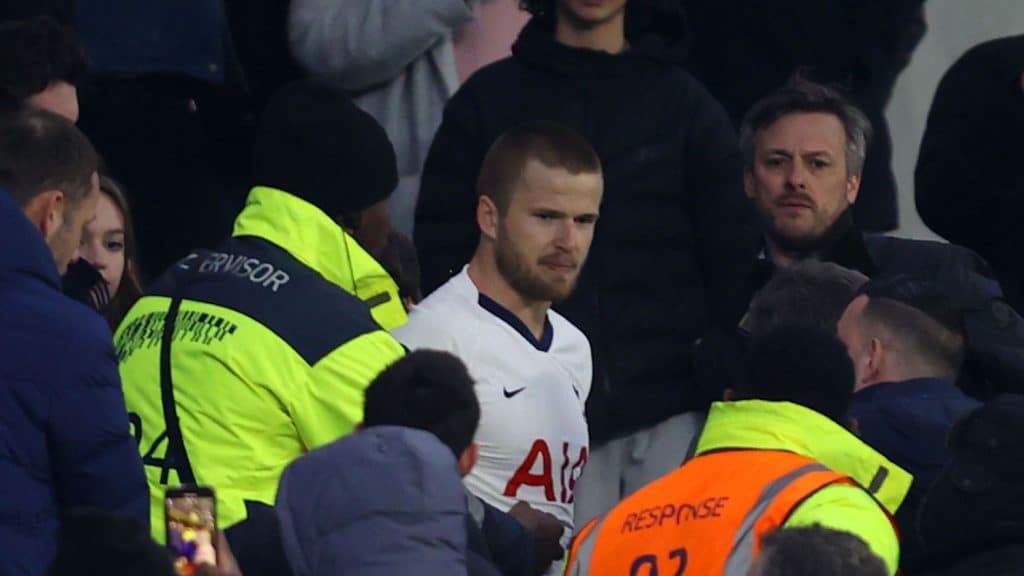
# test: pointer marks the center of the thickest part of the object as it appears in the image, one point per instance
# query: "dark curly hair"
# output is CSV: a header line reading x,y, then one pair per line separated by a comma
x,y
35,53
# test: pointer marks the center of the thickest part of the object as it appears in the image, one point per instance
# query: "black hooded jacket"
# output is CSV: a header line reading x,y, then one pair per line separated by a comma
x,y
969,185
675,232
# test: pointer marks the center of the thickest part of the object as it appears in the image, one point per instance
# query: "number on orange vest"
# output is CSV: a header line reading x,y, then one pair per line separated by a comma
x,y
569,472
650,562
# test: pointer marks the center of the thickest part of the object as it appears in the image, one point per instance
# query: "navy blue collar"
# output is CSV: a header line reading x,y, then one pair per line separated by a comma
x,y
544,344
915,387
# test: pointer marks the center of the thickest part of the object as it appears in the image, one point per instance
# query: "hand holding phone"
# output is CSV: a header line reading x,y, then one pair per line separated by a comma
x,y
190,517
226,563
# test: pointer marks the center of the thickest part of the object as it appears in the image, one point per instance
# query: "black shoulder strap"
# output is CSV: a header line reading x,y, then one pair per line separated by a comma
x,y
176,451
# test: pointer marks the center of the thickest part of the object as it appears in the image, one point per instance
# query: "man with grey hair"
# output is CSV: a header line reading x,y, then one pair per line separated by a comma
x,y
803,152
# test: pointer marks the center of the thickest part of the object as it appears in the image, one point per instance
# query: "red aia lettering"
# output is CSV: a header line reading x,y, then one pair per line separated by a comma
x,y
524,475
575,473
570,472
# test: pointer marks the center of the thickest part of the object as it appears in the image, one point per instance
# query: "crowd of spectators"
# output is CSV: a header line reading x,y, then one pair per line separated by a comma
x,y
504,287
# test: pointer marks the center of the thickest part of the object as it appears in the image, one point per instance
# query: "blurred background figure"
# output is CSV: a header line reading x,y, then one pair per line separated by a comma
x,y
972,519
41,65
969,179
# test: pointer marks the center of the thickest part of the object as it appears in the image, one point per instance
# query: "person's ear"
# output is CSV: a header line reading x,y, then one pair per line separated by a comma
x,y
487,217
46,212
852,188
468,458
876,359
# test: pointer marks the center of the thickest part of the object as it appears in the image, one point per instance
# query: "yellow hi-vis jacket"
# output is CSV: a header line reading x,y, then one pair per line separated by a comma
x,y
270,355
759,465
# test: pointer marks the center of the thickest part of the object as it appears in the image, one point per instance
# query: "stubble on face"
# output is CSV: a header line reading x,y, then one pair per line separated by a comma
x,y
520,273
799,183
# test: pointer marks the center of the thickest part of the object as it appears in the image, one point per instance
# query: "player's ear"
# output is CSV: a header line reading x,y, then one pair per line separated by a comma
x,y
487,215
468,458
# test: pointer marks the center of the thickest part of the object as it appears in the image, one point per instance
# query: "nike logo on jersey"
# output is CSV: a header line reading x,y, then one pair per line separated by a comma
x,y
509,394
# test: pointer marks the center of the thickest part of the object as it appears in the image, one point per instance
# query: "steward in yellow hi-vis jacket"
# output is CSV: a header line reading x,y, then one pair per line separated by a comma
x,y
242,358
776,456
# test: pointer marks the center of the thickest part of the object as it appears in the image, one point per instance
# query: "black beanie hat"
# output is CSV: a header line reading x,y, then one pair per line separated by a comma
x,y
314,143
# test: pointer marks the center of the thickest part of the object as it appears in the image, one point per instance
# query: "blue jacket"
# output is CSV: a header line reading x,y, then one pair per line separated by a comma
x,y
64,432
385,500
909,422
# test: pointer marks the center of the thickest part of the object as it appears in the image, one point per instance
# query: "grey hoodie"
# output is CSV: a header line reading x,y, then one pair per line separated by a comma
x,y
396,59
383,501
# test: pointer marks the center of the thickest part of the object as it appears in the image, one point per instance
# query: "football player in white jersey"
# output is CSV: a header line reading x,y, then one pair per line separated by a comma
x,y
540,189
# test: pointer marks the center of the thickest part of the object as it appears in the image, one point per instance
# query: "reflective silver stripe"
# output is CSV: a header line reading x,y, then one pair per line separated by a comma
x,y
742,554
582,565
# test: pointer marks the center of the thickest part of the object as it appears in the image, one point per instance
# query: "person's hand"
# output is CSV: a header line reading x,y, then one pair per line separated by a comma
x,y
82,282
226,563
546,531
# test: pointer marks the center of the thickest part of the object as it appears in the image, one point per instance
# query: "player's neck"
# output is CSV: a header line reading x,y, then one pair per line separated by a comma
x,y
488,281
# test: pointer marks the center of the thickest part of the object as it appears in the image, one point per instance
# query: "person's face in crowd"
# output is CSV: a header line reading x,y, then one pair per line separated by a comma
x,y
65,223
799,182
543,238
374,229
863,348
59,97
103,242
585,14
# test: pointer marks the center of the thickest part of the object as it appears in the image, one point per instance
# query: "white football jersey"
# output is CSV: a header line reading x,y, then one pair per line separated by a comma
x,y
532,436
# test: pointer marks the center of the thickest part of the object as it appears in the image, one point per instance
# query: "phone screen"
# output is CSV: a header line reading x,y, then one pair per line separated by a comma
x,y
191,519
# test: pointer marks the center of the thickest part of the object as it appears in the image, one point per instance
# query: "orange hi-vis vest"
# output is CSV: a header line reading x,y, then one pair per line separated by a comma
x,y
706,518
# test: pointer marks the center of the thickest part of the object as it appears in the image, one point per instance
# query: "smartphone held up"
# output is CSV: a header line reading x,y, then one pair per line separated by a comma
x,y
190,517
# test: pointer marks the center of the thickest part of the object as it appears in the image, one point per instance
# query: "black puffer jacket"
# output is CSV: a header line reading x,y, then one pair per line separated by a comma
x,y
675,233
